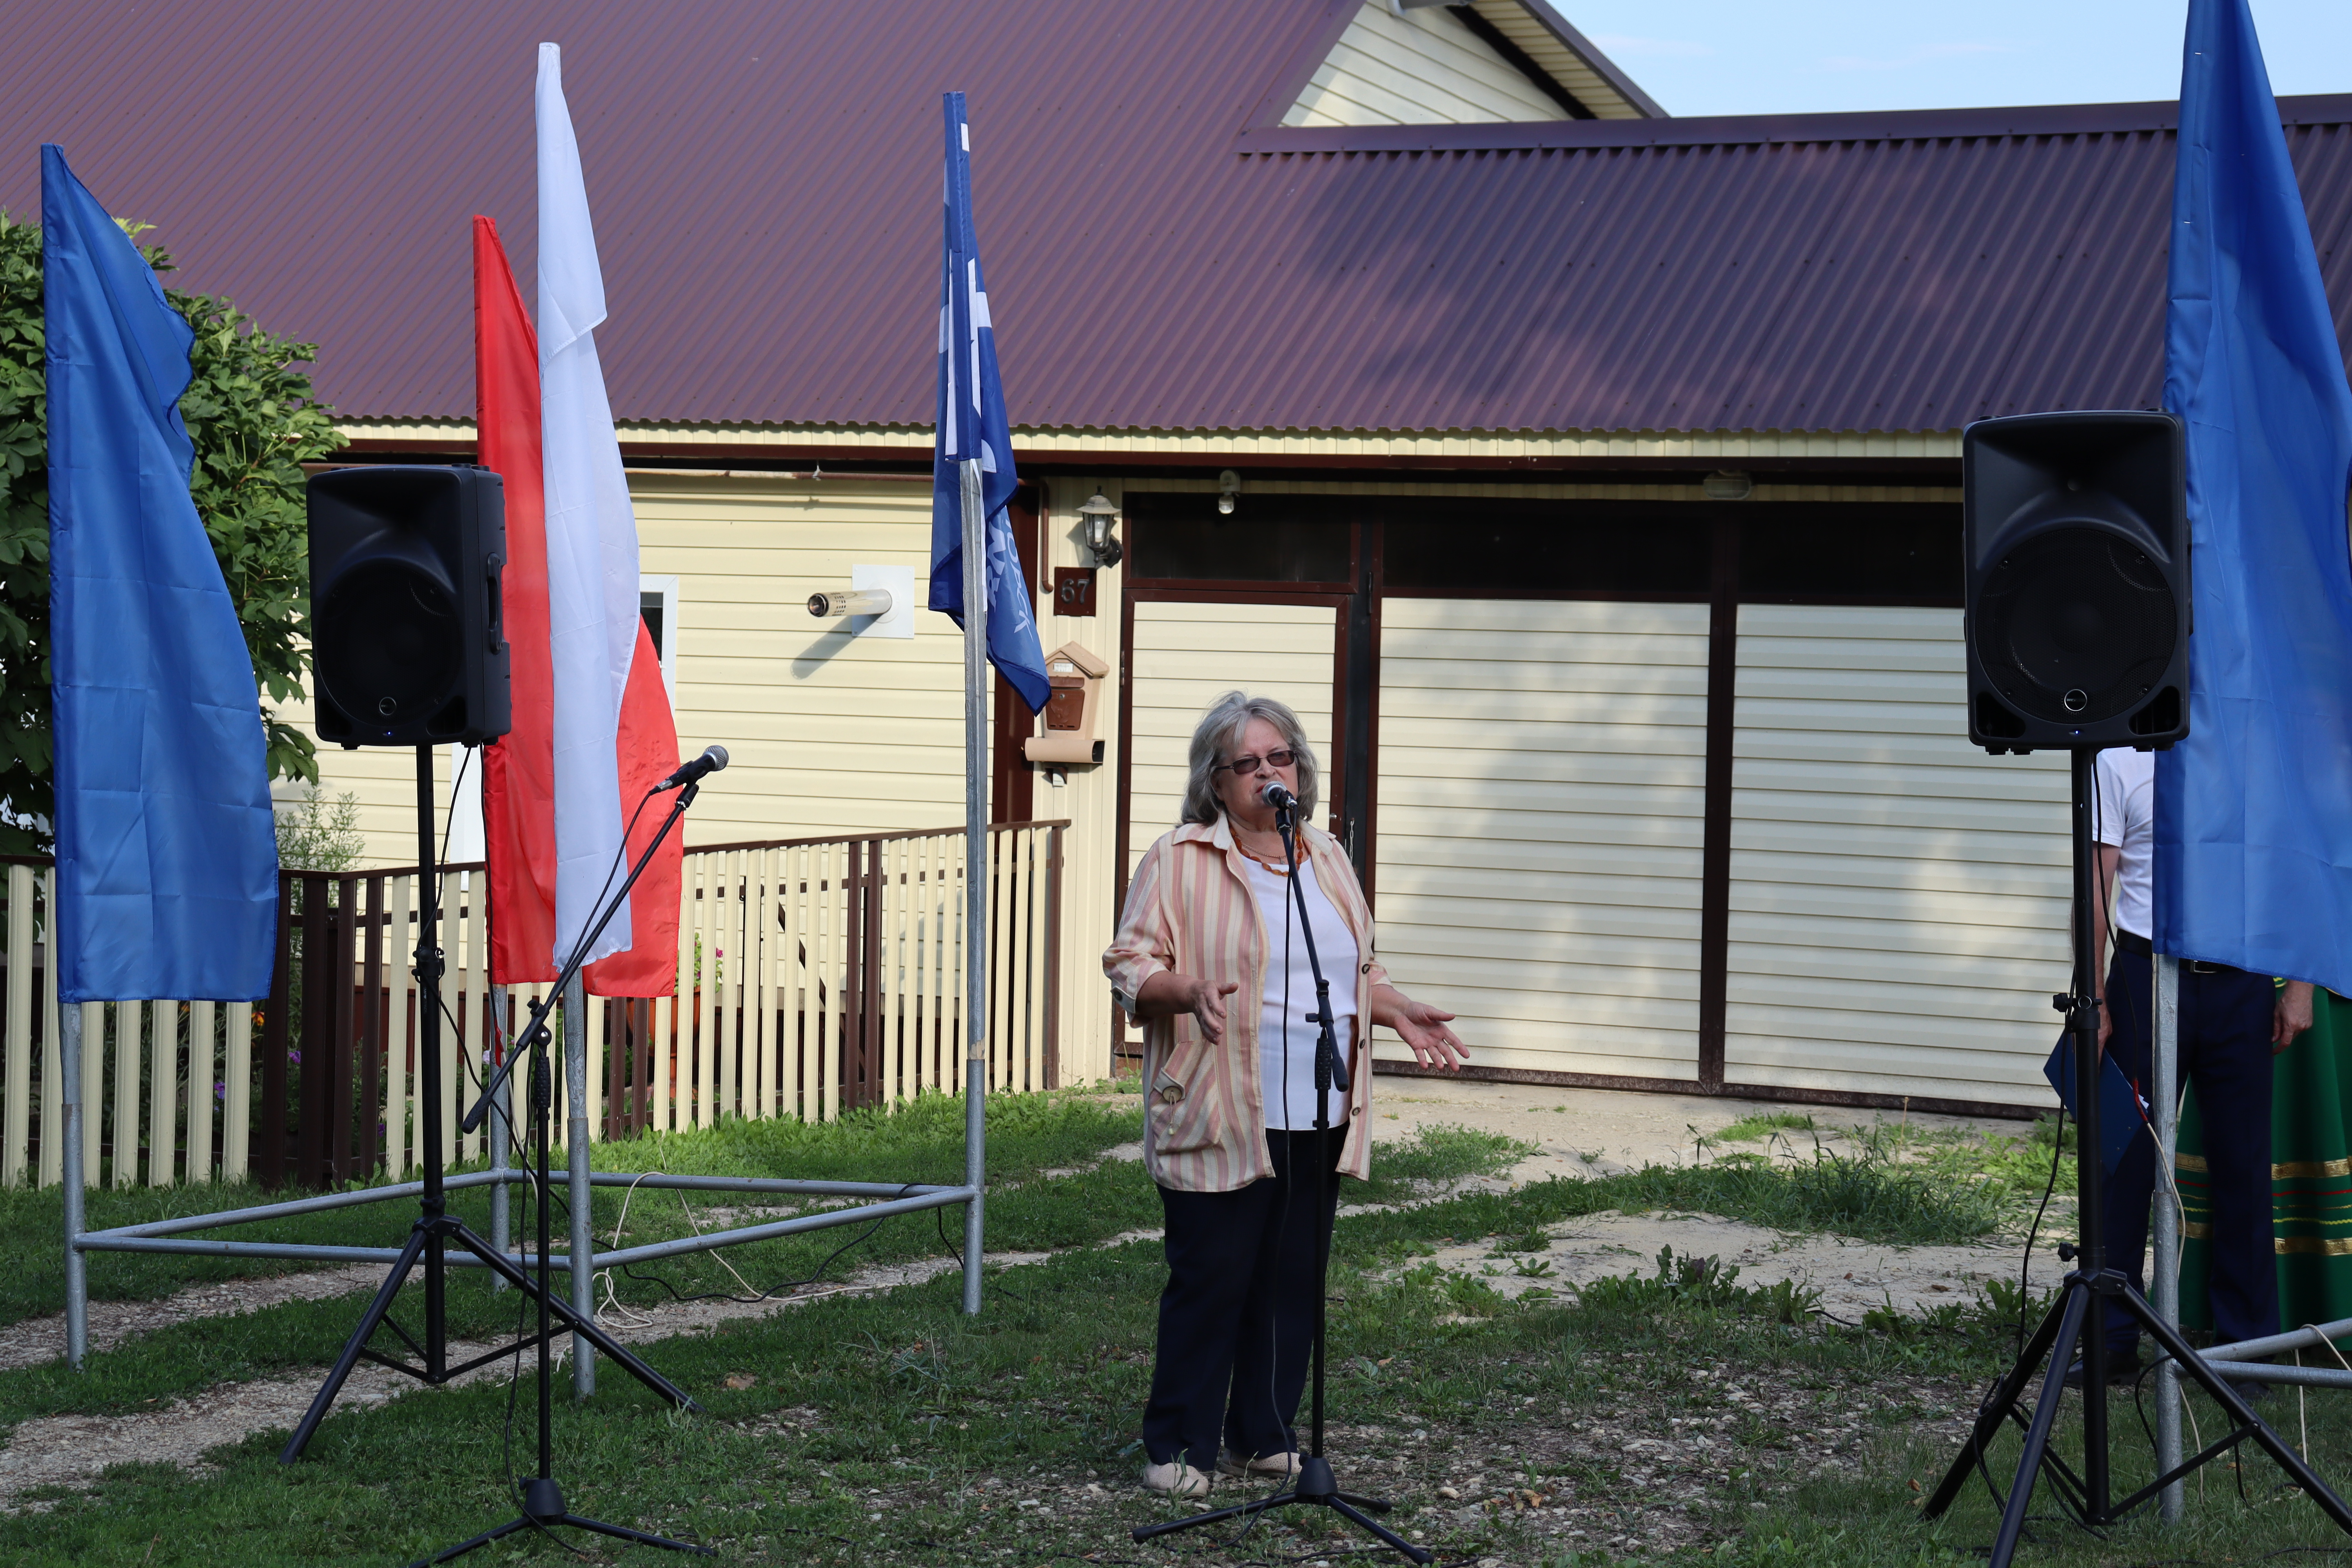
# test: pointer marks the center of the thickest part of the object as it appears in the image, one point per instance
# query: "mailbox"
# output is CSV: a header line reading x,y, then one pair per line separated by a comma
x,y
1066,729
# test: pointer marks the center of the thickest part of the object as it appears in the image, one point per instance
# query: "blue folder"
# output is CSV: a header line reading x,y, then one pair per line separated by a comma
x,y
2122,1113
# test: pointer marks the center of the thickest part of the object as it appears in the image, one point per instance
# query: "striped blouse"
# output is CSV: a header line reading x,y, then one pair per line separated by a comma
x,y
1190,909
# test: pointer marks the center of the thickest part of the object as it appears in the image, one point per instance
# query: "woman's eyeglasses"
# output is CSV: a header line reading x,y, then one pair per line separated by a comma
x,y
1242,767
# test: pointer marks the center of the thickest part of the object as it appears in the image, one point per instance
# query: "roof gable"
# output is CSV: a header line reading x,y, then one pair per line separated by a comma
x,y
1426,62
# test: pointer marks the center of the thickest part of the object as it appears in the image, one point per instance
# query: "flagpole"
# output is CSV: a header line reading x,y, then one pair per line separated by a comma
x,y
2165,1083
976,876
575,1140
70,1094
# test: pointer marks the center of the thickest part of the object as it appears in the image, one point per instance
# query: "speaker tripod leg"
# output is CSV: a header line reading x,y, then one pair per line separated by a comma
x,y
369,1320
562,1312
1997,1410
2045,1416
2239,1412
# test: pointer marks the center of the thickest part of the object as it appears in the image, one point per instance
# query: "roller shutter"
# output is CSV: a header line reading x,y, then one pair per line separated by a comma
x,y
1898,898
1541,781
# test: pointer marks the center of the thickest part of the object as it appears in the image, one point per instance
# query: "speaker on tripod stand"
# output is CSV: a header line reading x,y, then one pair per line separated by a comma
x,y
2076,533
407,650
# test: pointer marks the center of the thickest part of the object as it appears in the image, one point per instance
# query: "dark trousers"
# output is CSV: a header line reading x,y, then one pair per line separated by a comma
x,y
1237,1318
2224,1051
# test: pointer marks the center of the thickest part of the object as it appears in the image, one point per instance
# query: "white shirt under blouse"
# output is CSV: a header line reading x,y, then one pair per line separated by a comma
x,y
1286,1035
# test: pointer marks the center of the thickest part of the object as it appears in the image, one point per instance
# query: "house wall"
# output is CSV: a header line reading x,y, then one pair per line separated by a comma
x,y
826,732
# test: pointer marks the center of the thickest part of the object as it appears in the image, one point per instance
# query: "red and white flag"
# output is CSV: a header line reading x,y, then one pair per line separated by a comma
x,y
518,769
593,729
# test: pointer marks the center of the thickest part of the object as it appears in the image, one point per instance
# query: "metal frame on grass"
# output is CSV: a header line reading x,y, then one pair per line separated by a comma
x,y
170,1236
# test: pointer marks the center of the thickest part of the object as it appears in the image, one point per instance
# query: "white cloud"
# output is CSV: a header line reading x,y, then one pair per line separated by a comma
x,y
1926,55
1624,44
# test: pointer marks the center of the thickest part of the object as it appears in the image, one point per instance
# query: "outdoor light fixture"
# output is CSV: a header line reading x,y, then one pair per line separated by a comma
x,y
850,602
1229,491
1727,485
1099,516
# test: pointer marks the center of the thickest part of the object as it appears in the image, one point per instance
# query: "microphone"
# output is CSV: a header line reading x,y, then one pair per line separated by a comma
x,y
713,758
1277,797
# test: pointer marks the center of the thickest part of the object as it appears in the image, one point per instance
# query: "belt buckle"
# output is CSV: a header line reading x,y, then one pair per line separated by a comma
x,y
2200,966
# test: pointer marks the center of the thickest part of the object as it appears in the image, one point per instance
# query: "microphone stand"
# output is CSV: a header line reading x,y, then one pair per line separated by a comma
x,y
435,1228
1315,1486
542,1500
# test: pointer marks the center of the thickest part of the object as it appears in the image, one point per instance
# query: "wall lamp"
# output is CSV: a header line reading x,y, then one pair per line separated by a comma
x,y
1099,516
1726,484
850,602
1229,491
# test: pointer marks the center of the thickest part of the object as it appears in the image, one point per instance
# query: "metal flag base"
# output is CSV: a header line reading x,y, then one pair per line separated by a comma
x,y
543,1508
2062,1331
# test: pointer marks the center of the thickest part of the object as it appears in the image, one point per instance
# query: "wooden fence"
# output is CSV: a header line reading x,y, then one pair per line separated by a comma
x,y
814,976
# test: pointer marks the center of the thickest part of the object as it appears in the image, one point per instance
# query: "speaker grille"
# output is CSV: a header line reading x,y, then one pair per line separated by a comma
x,y
2075,625
389,648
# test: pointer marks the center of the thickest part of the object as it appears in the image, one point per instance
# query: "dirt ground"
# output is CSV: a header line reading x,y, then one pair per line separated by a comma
x,y
1583,1132
1578,1133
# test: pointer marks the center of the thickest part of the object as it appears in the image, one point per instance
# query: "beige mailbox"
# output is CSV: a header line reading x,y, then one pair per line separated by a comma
x,y
1068,733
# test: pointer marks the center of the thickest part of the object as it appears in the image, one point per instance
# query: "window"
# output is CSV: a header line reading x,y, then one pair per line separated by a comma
x,y
657,603
1851,554
1469,544
1269,539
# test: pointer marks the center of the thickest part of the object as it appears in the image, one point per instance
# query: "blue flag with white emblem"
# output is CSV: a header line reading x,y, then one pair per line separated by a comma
x,y
167,853
2254,810
972,425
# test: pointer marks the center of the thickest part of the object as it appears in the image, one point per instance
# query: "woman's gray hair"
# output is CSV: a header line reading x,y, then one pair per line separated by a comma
x,y
1219,733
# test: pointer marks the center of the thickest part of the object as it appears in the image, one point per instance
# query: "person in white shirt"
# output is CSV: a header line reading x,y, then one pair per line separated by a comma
x,y
2232,1023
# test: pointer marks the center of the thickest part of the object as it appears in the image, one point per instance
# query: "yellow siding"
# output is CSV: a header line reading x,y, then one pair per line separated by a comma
x,y
827,732
1898,898
1422,68
1542,789
1186,657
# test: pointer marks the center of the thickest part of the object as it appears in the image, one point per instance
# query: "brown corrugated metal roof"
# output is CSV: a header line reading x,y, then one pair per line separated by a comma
x,y
765,184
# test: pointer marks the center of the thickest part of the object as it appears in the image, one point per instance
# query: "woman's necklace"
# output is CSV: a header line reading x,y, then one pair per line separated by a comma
x,y
1276,866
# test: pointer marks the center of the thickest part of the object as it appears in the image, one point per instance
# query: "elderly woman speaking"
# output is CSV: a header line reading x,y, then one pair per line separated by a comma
x,y
1211,958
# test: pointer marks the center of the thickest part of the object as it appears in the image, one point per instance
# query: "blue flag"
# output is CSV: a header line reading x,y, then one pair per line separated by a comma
x,y
971,424
2254,810
167,855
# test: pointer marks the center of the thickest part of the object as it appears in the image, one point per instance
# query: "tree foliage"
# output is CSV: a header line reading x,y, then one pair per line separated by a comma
x,y
250,413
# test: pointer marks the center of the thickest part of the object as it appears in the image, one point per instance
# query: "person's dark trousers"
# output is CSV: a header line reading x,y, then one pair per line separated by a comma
x,y
2224,1051
1237,1318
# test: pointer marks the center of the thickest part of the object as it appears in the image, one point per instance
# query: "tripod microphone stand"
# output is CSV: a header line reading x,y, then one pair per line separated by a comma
x,y
2071,1322
435,1228
542,1498
1315,1486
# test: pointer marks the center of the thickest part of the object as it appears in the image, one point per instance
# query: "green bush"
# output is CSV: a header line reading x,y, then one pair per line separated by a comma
x,y
253,420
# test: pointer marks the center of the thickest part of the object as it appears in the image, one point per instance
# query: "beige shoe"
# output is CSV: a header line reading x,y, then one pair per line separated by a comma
x,y
1258,1466
1177,1479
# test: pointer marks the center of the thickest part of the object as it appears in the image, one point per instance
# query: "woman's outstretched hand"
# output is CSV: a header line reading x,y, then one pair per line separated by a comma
x,y
1422,1027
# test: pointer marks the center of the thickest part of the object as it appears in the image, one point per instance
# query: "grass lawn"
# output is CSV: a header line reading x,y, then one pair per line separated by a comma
x,y
1678,1416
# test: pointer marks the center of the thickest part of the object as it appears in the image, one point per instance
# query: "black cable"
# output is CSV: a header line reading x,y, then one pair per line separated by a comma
x,y
770,1294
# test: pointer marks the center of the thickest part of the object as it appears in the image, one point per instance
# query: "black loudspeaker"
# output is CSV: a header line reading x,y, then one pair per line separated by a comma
x,y
2078,614
408,640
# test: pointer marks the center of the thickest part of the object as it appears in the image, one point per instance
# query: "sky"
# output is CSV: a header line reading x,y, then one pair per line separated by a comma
x,y
1737,56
